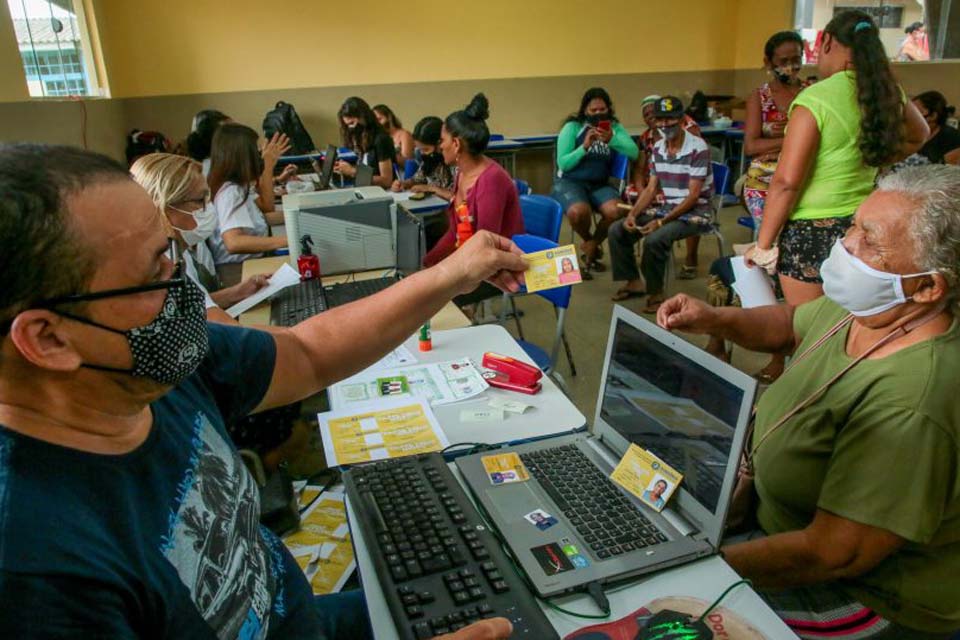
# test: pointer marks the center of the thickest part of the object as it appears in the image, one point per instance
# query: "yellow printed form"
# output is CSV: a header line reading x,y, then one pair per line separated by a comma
x,y
389,429
322,545
552,268
647,477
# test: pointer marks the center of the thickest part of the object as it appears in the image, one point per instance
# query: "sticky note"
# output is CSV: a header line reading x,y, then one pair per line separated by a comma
x,y
481,415
511,406
552,268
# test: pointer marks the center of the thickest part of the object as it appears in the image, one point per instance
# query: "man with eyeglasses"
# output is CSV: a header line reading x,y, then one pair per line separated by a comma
x,y
124,510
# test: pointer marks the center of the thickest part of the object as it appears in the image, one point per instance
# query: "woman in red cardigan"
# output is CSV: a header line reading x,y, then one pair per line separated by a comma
x,y
485,196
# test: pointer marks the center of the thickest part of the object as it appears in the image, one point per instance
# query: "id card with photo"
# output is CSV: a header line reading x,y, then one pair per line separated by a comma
x,y
505,468
647,477
552,268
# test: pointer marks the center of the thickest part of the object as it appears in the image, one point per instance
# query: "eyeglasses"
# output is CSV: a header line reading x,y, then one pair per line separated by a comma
x,y
175,256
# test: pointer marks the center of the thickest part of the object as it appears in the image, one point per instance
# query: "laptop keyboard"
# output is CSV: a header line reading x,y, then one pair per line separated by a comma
x,y
340,294
297,303
606,520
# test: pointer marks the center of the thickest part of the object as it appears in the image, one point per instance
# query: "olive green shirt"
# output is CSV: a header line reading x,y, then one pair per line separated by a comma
x,y
881,447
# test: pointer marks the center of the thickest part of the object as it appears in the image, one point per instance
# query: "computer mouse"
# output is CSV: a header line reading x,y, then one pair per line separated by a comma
x,y
673,625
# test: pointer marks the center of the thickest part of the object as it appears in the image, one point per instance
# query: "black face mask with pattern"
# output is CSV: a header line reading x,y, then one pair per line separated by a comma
x,y
172,346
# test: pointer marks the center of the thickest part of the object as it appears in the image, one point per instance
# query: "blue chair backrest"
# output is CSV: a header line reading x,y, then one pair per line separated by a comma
x,y
409,168
560,297
496,136
620,166
542,216
721,173
523,187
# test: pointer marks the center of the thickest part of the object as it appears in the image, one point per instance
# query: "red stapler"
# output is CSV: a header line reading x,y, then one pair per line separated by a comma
x,y
509,373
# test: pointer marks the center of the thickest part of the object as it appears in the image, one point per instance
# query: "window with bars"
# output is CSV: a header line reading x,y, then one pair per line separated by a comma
x,y
54,47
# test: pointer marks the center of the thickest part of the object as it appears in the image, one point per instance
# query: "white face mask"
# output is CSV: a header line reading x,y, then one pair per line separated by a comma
x,y
206,224
858,287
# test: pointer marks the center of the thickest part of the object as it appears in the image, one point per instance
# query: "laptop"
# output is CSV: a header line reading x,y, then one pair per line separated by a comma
x,y
667,396
308,298
326,173
364,177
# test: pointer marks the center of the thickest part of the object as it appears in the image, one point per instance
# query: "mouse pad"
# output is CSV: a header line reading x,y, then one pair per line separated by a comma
x,y
722,622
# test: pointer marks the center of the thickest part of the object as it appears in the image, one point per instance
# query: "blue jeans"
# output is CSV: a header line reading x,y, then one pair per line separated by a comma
x,y
343,616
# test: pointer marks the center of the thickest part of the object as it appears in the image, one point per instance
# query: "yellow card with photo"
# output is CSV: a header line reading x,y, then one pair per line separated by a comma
x,y
647,477
505,468
552,268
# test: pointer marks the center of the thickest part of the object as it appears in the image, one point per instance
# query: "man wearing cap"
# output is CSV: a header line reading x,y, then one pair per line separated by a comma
x,y
641,173
680,167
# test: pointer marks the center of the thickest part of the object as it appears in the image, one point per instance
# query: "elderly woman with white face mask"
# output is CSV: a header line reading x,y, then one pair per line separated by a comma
x,y
176,185
854,461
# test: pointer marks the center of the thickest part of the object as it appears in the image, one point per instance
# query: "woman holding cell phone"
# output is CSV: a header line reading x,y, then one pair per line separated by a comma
x,y
585,149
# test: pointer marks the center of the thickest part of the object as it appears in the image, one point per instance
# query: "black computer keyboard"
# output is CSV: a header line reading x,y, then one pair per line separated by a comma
x,y
440,567
609,523
340,294
297,303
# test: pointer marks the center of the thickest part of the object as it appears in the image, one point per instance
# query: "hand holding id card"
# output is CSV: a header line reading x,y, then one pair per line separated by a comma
x,y
552,268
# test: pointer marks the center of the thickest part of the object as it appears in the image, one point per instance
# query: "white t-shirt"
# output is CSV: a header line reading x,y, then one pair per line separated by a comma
x,y
191,270
234,213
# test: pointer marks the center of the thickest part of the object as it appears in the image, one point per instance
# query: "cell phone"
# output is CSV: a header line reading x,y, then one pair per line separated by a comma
x,y
604,125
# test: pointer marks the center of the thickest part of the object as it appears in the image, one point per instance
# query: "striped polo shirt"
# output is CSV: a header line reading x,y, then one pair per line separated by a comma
x,y
674,173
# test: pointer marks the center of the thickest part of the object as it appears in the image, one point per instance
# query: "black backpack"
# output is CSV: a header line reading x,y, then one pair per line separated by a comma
x,y
283,118
142,143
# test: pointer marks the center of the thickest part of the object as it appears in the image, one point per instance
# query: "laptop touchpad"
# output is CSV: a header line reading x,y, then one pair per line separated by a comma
x,y
514,501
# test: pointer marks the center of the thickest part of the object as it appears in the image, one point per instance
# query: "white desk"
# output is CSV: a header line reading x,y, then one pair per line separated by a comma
x,y
705,579
551,412
430,204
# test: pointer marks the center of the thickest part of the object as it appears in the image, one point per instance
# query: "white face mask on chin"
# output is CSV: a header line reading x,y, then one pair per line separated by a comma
x,y
858,287
206,224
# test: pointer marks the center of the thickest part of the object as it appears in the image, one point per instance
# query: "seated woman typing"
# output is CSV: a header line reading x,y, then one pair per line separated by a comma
x,y
432,175
484,195
402,140
243,224
177,187
360,132
856,447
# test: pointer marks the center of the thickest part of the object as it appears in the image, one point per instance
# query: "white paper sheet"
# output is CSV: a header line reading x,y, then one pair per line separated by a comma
x,y
752,285
440,383
399,357
282,278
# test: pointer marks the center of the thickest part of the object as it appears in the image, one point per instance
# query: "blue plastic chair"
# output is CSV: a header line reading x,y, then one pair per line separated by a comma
x,y
523,187
409,168
559,298
542,216
620,170
496,136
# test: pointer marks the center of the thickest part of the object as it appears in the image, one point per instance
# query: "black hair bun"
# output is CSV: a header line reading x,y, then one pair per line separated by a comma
x,y
479,108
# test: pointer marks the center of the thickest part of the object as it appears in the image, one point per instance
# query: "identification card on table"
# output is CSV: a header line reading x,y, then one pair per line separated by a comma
x,y
505,468
552,268
647,477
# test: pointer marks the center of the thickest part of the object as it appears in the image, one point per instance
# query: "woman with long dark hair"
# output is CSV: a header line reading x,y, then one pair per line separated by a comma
x,y
484,195
943,143
585,149
402,140
243,228
360,132
842,130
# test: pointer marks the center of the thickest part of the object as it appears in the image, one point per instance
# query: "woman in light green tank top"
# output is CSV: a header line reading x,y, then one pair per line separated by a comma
x,y
841,130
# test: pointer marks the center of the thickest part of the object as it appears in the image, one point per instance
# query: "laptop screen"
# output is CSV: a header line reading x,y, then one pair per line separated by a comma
x,y
329,159
672,406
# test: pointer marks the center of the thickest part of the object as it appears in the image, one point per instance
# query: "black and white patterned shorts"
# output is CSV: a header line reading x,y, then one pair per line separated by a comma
x,y
805,244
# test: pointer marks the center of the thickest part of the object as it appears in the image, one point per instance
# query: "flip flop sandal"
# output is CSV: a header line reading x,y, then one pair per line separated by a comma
x,y
652,307
687,273
626,294
598,266
585,274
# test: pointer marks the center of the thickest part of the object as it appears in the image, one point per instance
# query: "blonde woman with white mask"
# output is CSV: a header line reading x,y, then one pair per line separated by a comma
x,y
178,188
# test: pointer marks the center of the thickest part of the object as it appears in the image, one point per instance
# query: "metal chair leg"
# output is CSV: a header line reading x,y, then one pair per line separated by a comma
x,y
516,317
566,348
